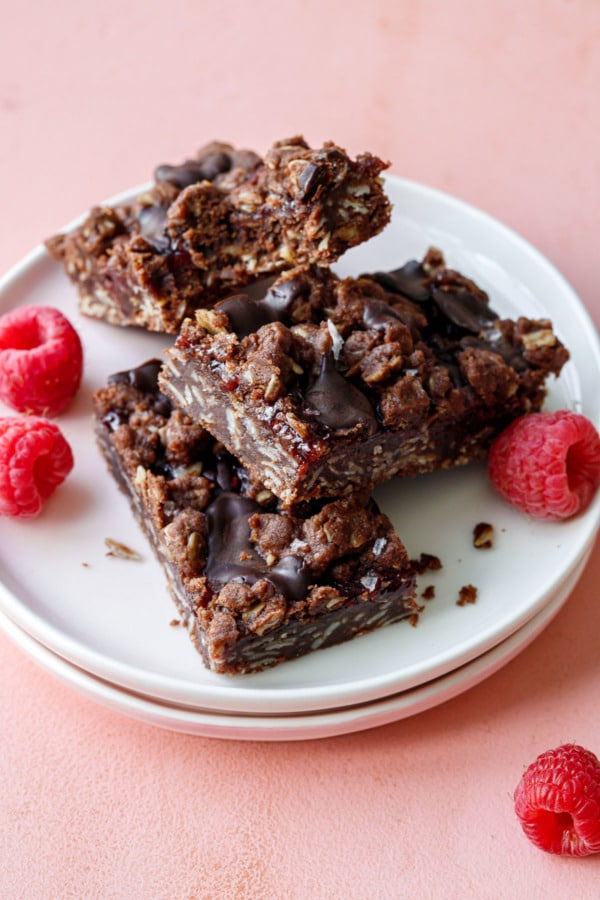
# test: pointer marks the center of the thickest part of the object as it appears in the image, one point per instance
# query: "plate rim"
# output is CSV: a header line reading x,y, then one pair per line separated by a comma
x,y
319,724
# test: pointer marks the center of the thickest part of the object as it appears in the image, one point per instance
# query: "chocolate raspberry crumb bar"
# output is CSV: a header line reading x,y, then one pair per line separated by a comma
x,y
256,585
217,222
328,386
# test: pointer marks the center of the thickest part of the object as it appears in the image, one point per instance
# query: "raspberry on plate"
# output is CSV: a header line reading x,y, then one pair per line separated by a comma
x,y
34,459
547,464
557,801
41,360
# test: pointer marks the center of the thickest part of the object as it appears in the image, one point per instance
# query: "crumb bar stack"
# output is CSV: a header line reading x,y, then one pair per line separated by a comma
x,y
249,453
255,584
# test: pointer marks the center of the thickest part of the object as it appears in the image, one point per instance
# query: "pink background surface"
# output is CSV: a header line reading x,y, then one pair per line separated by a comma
x,y
497,104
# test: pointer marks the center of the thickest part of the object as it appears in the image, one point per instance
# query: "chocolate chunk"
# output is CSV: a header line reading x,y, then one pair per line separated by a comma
x,y
223,474
463,308
411,280
214,164
229,550
310,181
231,557
377,314
245,314
467,309
280,298
291,576
145,379
153,223
336,402
194,170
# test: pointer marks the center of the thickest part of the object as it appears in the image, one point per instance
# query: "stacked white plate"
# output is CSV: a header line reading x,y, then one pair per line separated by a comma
x,y
104,625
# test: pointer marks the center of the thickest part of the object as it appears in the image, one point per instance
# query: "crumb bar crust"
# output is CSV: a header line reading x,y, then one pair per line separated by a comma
x,y
256,585
328,386
216,223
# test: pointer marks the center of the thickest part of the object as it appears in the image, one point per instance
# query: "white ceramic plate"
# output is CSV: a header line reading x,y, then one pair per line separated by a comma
x,y
111,617
307,726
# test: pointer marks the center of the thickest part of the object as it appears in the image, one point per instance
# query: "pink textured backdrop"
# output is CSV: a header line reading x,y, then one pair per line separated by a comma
x,y
496,103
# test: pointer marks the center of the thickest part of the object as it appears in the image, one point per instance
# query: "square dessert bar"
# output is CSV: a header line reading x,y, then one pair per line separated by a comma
x,y
328,386
256,585
216,223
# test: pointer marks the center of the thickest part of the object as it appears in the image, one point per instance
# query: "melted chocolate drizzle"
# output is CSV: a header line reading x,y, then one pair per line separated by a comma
x,y
377,314
145,379
310,181
463,308
152,221
280,297
248,313
451,308
337,403
245,314
231,557
411,280
194,170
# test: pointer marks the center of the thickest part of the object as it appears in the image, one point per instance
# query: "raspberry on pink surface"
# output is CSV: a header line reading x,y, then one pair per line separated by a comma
x,y
547,464
35,458
41,360
557,801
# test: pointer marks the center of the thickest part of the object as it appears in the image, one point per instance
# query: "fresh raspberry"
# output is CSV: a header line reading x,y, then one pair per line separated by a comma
x,y
34,459
41,360
547,464
557,801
